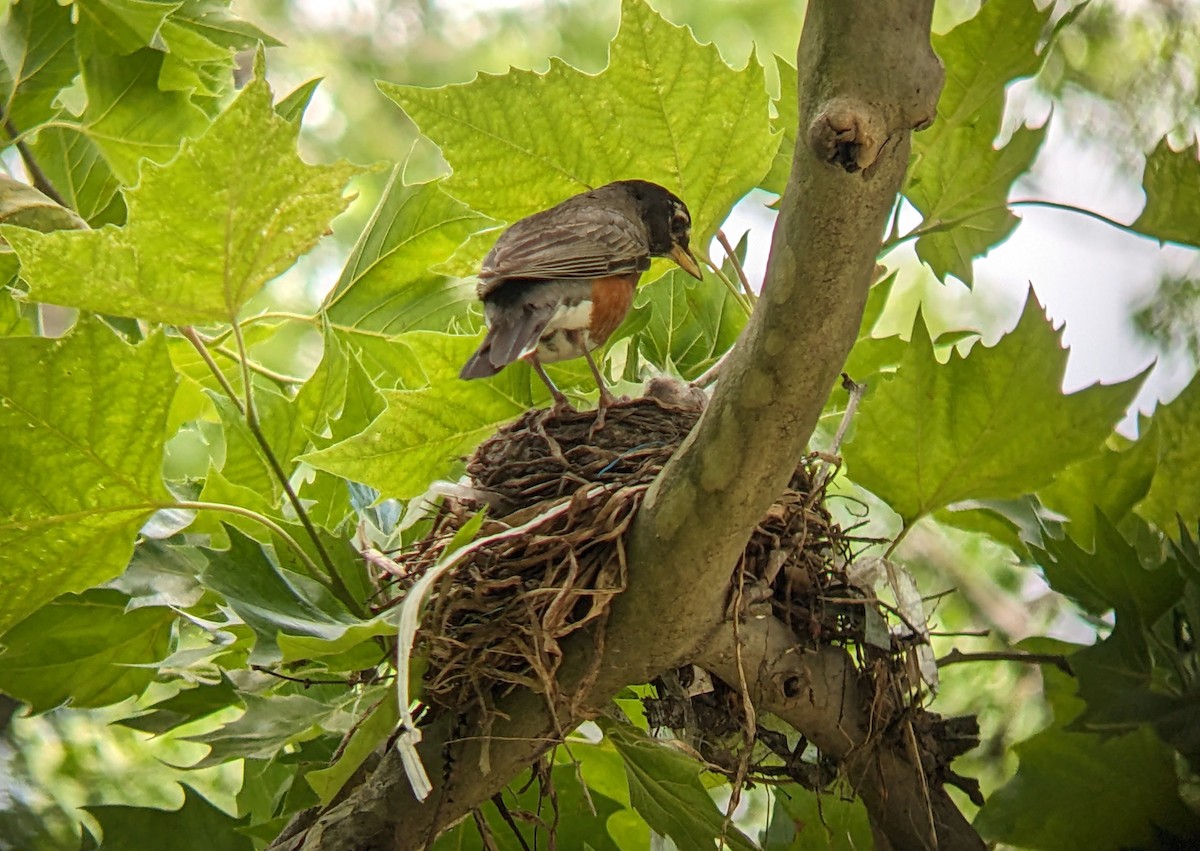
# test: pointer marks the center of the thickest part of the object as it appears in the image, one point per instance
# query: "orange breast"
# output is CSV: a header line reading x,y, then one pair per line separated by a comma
x,y
612,296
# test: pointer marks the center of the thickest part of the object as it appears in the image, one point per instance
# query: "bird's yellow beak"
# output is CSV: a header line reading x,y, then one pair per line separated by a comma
x,y
686,261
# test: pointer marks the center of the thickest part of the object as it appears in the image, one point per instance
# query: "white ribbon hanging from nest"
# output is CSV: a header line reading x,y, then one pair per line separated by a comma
x,y
410,620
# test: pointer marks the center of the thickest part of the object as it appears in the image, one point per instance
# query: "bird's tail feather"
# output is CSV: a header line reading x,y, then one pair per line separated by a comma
x,y
505,342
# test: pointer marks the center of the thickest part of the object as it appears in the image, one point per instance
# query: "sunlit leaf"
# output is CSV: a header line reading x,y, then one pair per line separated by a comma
x,y
86,649
425,429
386,287
248,211
956,178
82,427
992,424
37,48
669,109
119,26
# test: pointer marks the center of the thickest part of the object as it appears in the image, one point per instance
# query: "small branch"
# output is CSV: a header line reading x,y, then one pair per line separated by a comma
x,y
737,266
40,181
712,373
192,336
337,586
956,656
938,227
307,682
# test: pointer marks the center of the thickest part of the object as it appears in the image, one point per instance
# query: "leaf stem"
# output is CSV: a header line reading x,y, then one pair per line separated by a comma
x,y
277,377
279,314
896,540
258,518
192,336
337,586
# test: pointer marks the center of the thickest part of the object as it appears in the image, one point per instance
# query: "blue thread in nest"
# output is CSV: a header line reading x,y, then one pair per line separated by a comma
x,y
627,453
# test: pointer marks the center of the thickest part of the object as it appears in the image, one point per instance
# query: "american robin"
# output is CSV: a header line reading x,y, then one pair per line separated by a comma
x,y
558,283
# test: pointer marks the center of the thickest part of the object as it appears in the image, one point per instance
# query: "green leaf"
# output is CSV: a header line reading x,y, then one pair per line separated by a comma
x,y
188,705
24,206
268,725
1109,577
374,728
1172,184
129,118
160,574
272,601
292,107
994,424
669,110
37,46
870,354
82,427
248,212
119,26
78,171
1064,798
610,827
665,788
423,431
807,821
86,649
980,65
1172,491
1113,481
785,123
956,178
196,826
363,403
963,187
216,22
386,287
690,323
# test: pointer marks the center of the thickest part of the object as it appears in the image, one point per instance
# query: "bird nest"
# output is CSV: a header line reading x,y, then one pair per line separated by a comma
x,y
561,493
496,620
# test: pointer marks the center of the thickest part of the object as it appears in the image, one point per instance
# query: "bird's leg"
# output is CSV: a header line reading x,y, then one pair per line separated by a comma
x,y
607,399
561,403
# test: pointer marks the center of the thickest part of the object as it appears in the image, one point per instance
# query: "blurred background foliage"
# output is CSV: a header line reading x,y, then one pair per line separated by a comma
x,y
1122,74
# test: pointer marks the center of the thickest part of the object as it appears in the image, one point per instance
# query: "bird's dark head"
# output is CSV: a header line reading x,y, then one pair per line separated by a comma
x,y
668,223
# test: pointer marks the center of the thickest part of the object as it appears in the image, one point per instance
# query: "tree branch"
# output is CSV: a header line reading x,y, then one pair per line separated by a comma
x,y
820,693
868,77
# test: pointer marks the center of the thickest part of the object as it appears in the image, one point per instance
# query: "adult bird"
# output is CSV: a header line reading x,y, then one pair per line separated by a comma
x,y
558,283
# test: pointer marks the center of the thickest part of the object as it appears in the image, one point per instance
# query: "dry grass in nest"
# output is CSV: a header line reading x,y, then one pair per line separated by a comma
x,y
496,620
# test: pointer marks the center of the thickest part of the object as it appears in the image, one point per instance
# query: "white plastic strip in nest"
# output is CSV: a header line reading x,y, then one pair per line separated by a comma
x,y
410,620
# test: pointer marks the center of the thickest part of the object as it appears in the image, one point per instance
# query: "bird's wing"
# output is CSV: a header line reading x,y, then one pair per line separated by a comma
x,y
567,242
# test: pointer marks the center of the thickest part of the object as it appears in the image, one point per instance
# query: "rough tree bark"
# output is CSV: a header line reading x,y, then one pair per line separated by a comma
x,y
868,78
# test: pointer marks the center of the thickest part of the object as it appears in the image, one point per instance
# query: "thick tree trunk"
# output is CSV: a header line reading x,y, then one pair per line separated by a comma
x,y
868,78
